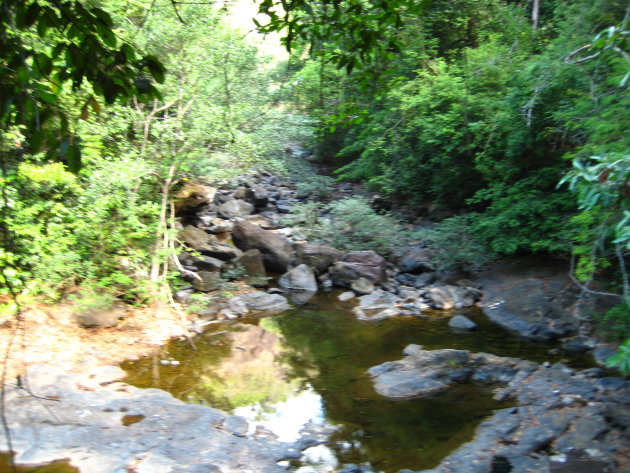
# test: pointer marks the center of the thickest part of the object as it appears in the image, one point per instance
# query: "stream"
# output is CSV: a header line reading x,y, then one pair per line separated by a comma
x,y
308,364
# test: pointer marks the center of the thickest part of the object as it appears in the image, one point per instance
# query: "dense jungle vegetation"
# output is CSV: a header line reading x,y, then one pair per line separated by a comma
x,y
510,115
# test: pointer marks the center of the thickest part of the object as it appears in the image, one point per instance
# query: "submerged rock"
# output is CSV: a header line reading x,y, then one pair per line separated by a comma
x,y
459,323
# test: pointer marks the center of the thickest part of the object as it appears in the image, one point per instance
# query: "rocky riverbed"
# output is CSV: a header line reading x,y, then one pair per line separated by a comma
x,y
235,232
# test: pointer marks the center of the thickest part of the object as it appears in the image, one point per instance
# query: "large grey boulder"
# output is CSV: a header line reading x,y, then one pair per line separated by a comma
x,y
235,208
359,264
300,278
535,298
275,249
263,302
102,425
422,373
319,257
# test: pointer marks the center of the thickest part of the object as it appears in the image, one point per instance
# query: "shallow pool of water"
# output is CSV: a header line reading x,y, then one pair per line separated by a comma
x,y
308,365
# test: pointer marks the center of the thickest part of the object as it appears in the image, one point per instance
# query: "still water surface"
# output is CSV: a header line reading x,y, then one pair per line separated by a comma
x,y
308,365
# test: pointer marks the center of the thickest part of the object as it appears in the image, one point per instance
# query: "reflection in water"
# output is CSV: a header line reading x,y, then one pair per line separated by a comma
x,y
309,364
286,418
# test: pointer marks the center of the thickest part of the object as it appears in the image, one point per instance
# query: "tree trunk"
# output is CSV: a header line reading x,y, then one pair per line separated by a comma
x,y
535,9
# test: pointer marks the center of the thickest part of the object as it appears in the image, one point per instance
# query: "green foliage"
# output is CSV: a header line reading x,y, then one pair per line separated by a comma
x,y
350,224
45,45
316,187
453,242
621,360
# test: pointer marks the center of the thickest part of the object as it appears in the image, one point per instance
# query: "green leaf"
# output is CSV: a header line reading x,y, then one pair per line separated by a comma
x,y
155,68
43,63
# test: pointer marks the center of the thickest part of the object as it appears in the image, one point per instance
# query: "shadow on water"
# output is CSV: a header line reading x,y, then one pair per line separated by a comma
x,y
308,365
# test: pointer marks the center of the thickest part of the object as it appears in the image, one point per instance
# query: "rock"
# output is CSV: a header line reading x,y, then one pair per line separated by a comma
x,y
416,281
459,323
219,225
602,354
221,251
251,261
319,257
268,221
452,297
193,196
207,281
346,296
195,238
362,286
300,297
377,300
104,318
89,428
422,373
258,196
275,249
235,208
359,264
208,263
376,315
263,302
300,278
532,297
416,261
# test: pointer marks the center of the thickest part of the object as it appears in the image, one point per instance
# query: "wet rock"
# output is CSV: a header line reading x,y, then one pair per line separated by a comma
x,y
376,315
416,261
300,278
275,249
300,297
346,296
319,257
235,208
359,264
452,297
362,286
421,373
459,323
377,300
88,428
264,302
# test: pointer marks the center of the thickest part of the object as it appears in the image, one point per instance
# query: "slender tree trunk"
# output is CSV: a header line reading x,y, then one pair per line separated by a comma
x,y
535,9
